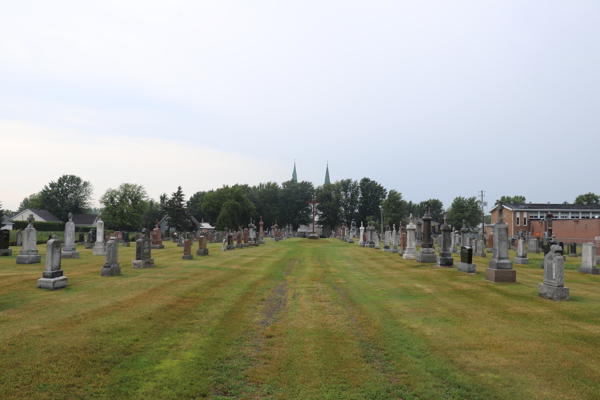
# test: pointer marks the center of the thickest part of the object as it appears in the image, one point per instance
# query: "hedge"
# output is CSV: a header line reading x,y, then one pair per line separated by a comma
x,y
41,226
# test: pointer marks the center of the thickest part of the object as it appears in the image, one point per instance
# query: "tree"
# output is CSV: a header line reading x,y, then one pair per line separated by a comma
x,y
330,207
228,207
175,208
589,198
511,200
153,212
394,208
32,201
124,207
464,208
194,205
371,196
68,194
1,214
266,197
293,208
349,199
436,210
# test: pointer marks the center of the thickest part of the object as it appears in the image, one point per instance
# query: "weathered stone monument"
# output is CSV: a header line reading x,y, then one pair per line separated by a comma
x,y
98,249
453,240
445,259
202,246
52,277
387,241
589,259
521,253
500,267
19,238
376,240
4,241
29,253
246,239
480,251
533,246
553,287
411,249
361,239
187,250
126,239
239,244
427,253
419,233
111,266
466,261
157,243
230,245
91,239
69,249
180,240
490,246
371,235
573,249
261,232
143,252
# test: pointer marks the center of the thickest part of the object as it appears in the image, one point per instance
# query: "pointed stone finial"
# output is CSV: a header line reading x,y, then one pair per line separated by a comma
x,y
445,218
501,213
30,220
70,217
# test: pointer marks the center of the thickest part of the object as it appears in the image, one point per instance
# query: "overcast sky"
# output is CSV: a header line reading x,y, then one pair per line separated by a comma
x,y
435,99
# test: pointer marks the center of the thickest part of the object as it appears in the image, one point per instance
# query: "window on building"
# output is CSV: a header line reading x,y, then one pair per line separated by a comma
x,y
585,215
524,219
533,215
518,218
574,214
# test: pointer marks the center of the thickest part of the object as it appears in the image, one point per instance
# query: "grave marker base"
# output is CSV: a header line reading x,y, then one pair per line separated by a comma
x,y
466,268
521,261
31,259
114,270
187,257
147,263
5,252
445,261
501,275
52,283
553,293
159,246
69,254
589,270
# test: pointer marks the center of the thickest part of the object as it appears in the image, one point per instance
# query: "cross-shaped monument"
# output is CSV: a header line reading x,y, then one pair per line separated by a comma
x,y
314,203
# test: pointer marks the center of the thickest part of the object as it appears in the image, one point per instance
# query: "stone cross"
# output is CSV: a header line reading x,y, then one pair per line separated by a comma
x,y
30,220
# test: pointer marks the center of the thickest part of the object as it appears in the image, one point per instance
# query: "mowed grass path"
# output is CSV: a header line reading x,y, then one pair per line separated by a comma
x,y
294,319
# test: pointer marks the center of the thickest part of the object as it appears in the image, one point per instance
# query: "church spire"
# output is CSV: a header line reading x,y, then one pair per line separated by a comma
x,y
294,176
327,181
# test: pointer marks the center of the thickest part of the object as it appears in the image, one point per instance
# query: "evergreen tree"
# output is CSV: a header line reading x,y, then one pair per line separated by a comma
x,y
266,197
175,208
1,214
394,208
371,196
349,200
330,207
293,208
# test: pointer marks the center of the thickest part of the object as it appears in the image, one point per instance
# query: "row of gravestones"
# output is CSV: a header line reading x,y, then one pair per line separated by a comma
x,y
243,237
500,267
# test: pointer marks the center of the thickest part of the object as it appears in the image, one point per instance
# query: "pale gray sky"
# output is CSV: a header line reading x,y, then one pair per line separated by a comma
x,y
433,98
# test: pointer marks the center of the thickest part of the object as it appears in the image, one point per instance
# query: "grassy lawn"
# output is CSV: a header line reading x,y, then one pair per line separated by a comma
x,y
294,319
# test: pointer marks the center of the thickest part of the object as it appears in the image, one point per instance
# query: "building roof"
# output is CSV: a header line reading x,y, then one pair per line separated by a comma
x,y
6,220
548,206
43,214
84,219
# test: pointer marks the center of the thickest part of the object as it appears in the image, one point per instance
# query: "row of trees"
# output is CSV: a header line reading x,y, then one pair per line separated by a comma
x,y
128,207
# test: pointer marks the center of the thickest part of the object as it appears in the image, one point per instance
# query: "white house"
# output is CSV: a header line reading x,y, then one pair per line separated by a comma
x,y
38,215
7,223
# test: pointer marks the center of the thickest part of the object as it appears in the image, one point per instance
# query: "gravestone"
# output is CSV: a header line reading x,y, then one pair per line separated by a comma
x,y
29,253
202,246
143,252
52,277
4,240
521,253
426,253
573,249
387,240
500,267
466,261
490,243
157,243
91,239
395,238
403,242
371,229
480,251
187,250
410,253
419,234
19,238
180,240
246,243
98,249
361,238
376,241
464,236
111,265
81,239
533,246
445,259
252,234
453,242
69,249
230,245
350,238
238,239
126,239
553,287
589,259
261,232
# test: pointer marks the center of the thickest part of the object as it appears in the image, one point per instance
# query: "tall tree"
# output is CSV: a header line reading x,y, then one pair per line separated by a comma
x,y
228,207
32,201
68,194
394,208
436,210
511,200
371,196
124,207
588,198
194,205
464,208
179,217
330,206
349,199
1,214
153,212
265,198
293,208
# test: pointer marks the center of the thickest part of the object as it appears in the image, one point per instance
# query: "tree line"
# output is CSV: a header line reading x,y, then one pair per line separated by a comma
x,y
346,201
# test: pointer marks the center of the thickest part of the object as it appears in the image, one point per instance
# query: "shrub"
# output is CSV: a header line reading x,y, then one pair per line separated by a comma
x,y
41,226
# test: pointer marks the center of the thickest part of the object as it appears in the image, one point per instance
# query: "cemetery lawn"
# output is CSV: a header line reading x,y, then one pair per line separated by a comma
x,y
294,319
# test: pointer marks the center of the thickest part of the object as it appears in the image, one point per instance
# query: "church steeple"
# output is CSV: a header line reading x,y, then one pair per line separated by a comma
x,y
327,181
294,176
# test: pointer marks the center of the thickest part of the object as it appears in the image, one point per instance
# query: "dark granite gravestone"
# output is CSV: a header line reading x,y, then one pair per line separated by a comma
x,y
187,250
573,249
125,239
143,253
4,236
466,260
91,239
81,237
202,246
